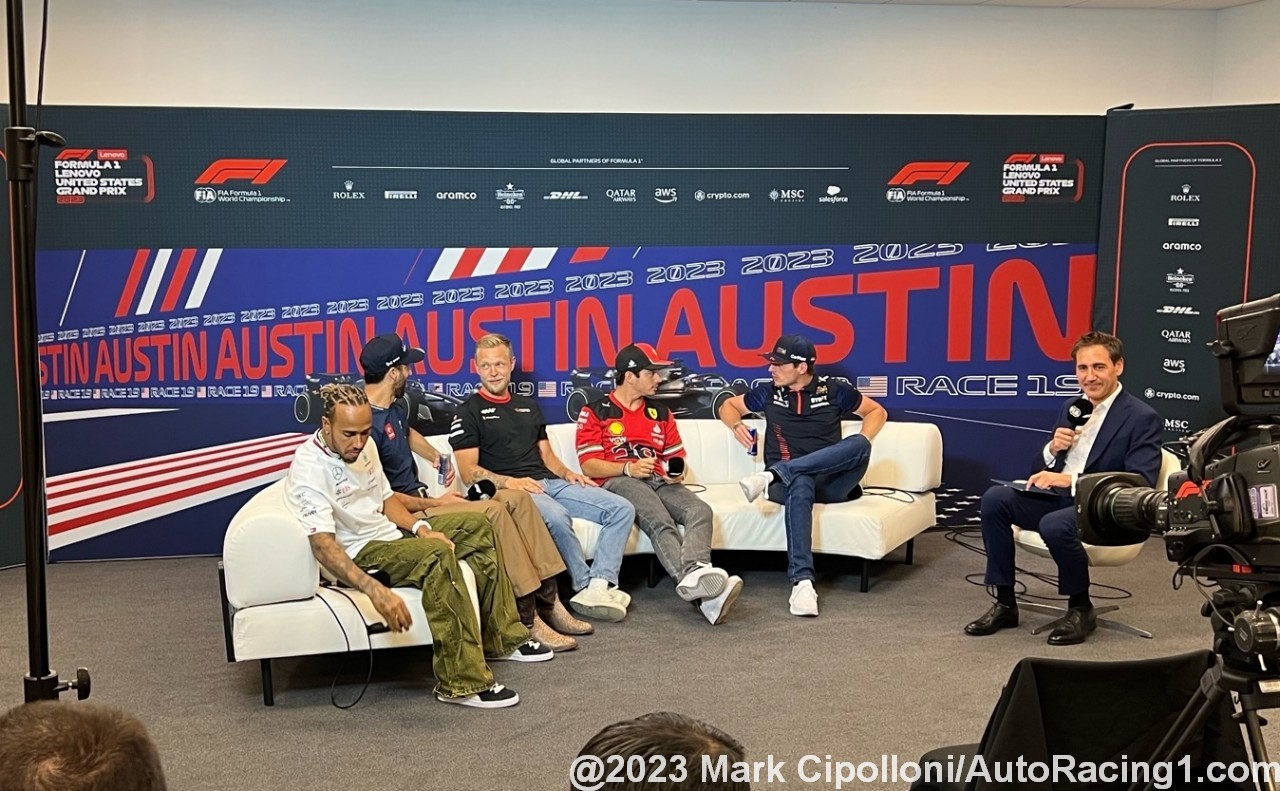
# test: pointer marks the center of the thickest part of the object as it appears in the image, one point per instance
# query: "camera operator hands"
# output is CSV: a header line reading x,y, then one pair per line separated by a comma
x,y
1064,439
1050,480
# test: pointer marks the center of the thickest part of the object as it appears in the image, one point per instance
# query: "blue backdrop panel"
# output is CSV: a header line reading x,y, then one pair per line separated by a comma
x,y
201,272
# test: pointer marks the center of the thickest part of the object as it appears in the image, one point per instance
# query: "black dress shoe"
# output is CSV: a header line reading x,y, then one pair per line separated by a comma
x,y
998,617
1075,628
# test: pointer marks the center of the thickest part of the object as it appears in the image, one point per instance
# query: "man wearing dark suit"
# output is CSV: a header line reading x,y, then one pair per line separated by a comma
x,y
1123,434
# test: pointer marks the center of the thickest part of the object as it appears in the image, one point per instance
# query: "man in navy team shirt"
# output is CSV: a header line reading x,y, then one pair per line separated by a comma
x,y
529,554
806,461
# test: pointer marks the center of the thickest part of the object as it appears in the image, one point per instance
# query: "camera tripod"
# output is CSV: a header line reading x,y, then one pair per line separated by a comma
x,y
1255,692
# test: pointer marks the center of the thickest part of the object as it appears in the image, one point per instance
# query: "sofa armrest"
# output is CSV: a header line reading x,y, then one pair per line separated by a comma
x,y
266,555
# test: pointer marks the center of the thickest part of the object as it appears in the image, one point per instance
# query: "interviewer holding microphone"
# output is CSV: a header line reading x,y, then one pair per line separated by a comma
x,y
1108,430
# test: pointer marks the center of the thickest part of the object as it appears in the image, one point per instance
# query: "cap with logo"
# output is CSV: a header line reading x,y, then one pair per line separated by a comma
x,y
385,352
792,349
640,357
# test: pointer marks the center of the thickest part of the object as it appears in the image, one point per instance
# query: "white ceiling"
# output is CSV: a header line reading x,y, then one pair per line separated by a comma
x,y
1192,5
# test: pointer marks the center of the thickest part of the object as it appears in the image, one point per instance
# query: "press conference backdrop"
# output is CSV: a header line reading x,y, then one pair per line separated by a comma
x,y
201,272
1189,226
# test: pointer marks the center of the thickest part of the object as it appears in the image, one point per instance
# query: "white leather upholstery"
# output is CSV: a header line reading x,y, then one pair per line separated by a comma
x,y
1031,541
278,606
905,456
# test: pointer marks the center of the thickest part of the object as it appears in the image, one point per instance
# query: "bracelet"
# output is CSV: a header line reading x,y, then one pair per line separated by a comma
x,y
423,523
734,427
626,468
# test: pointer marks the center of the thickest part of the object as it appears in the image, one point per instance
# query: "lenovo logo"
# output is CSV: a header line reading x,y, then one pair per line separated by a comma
x,y
254,171
940,173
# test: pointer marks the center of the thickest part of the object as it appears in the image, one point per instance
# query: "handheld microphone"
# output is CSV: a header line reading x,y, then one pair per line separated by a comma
x,y
482,490
1078,414
675,467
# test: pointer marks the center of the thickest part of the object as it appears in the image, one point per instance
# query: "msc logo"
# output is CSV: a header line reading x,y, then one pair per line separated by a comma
x,y
665,195
1173,424
254,171
940,173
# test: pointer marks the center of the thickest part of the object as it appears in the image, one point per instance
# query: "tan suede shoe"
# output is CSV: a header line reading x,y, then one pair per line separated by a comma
x,y
549,637
563,621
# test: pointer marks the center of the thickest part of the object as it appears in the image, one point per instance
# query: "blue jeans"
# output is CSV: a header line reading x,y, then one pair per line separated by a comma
x,y
828,475
561,502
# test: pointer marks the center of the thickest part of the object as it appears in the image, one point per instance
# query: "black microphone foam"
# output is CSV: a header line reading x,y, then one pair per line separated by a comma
x,y
482,490
1079,411
675,467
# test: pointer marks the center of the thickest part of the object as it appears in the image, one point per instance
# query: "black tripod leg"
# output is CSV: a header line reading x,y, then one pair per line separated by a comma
x,y
1189,722
1258,749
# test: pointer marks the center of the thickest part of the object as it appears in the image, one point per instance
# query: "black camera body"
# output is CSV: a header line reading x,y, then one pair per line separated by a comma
x,y
1220,517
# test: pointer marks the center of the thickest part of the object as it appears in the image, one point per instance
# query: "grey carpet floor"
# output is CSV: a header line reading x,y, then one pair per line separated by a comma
x,y
885,672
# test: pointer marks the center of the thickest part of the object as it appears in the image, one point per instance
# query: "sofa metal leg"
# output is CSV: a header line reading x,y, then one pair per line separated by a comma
x,y
268,689
655,571
911,551
865,585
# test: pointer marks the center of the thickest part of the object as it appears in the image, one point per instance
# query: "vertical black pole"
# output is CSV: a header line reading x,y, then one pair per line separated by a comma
x,y
41,683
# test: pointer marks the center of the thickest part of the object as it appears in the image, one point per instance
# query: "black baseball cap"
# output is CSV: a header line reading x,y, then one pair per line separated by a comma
x,y
385,352
792,349
640,357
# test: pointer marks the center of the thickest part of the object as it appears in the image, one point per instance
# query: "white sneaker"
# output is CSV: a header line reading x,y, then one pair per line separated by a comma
x,y
716,609
755,484
495,697
528,651
622,596
704,582
804,599
603,605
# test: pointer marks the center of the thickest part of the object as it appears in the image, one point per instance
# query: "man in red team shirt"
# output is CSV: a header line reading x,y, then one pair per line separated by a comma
x,y
628,444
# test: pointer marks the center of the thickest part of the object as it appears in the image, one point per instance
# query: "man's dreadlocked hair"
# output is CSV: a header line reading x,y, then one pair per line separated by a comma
x,y
334,395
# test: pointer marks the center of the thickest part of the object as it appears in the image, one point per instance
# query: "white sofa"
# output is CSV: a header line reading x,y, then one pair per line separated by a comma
x,y
273,602
904,456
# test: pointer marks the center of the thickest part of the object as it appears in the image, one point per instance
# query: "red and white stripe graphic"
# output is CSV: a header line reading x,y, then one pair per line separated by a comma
x,y
91,503
460,263
156,270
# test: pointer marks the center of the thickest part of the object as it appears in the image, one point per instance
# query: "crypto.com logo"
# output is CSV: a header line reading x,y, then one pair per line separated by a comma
x,y
940,173
254,171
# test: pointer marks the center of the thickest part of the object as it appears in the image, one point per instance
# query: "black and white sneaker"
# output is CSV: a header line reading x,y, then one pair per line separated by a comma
x,y
528,651
495,697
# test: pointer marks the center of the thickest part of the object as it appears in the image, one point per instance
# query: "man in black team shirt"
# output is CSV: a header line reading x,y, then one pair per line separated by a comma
x,y
529,555
806,461
501,437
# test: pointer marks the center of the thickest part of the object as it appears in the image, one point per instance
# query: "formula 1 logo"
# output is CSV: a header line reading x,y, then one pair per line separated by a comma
x,y
254,171
940,173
